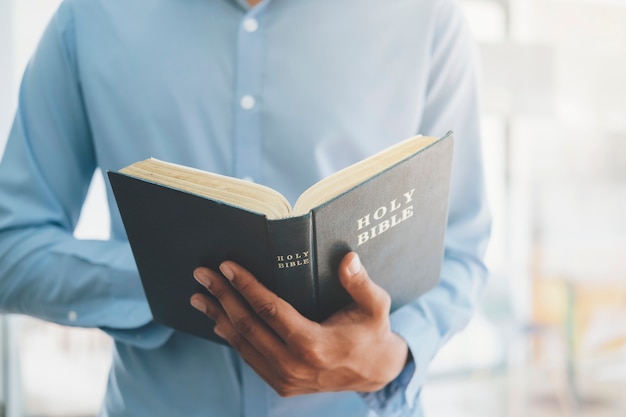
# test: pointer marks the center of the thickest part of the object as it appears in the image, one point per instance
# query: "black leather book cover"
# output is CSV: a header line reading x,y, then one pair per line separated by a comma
x,y
172,232
395,221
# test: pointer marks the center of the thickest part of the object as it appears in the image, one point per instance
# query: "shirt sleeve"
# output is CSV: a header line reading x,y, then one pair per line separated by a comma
x,y
451,104
45,173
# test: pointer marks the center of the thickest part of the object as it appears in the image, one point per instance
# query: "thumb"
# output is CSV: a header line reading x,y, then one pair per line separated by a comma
x,y
365,293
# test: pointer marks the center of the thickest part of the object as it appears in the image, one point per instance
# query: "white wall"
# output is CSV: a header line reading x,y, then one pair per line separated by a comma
x,y
7,94
7,69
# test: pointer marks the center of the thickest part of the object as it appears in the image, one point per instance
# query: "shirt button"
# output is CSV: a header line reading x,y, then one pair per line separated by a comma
x,y
250,25
72,316
247,102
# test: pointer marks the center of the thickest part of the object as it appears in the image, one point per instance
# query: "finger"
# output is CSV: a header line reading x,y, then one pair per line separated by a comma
x,y
285,320
233,305
247,350
225,329
238,314
365,293
213,310
265,368
206,305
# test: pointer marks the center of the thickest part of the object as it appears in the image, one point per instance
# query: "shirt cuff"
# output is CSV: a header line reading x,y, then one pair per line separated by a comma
x,y
399,397
148,336
423,340
137,328
122,311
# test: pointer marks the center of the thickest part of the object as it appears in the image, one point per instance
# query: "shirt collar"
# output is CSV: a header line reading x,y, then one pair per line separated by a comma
x,y
244,4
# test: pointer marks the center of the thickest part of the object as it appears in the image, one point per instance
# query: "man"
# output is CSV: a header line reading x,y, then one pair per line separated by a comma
x,y
281,93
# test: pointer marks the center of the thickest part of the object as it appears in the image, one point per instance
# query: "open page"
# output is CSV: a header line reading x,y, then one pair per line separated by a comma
x,y
262,199
355,174
234,191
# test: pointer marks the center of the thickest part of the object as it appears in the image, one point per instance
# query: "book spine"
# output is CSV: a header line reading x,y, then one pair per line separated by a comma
x,y
331,295
293,259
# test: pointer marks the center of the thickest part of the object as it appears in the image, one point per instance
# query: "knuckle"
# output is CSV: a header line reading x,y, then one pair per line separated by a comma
x,y
299,338
283,390
299,372
289,378
219,292
384,303
361,281
236,341
380,304
291,373
267,311
242,285
244,326
314,355
285,375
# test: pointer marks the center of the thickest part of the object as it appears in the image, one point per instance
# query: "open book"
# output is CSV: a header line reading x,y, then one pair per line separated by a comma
x,y
391,208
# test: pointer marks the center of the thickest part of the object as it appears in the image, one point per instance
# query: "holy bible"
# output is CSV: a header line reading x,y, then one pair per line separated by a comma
x,y
390,208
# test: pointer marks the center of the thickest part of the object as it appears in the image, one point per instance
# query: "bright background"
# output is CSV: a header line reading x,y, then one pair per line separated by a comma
x,y
550,336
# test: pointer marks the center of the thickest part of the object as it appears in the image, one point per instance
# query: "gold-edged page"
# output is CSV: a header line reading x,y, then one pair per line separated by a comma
x,y
234,191
353,175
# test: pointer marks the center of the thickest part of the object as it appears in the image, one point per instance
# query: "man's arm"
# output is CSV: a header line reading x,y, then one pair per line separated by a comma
x,y
451,103
44,176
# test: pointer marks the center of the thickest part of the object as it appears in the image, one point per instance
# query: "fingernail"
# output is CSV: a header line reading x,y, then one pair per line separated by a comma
x,y
354,267
198,305
202,277
227,272
219,332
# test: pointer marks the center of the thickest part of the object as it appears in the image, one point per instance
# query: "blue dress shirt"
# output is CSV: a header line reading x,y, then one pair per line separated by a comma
x,y
284,94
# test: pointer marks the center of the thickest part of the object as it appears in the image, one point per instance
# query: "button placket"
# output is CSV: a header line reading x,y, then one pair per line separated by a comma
x,y
248,149
247,128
